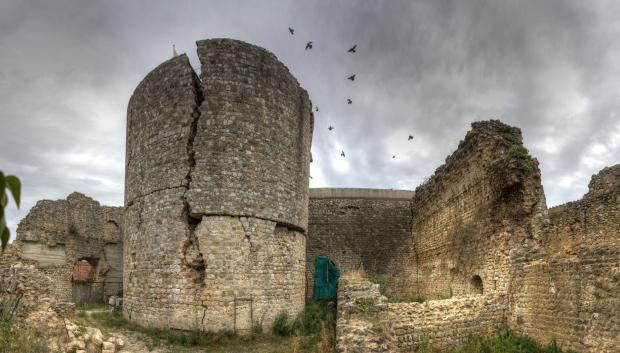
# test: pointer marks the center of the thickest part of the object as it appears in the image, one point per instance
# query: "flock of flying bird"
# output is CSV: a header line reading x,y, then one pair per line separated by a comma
x,y
352,78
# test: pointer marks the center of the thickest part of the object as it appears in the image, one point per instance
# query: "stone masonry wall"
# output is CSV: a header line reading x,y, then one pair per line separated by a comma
x,y
362,230
368,323
216,191
570,290
253,139
55,235
474,212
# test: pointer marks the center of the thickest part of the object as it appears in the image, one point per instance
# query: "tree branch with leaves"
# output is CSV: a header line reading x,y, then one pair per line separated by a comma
x,y
12,184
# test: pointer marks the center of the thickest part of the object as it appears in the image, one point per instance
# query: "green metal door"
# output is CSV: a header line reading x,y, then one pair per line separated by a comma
x,y
326,275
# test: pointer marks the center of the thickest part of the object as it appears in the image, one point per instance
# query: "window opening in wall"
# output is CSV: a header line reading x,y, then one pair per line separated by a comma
x,y
476,285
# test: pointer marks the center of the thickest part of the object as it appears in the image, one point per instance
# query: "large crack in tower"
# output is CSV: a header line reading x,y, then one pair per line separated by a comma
x,y
216,193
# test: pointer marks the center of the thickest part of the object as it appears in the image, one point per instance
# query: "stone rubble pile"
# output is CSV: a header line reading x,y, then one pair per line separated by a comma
x,y
92,340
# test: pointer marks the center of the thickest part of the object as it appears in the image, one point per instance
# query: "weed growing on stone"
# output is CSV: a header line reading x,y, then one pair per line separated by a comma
x,y
15,339
363,304
73,230
381,280
521,154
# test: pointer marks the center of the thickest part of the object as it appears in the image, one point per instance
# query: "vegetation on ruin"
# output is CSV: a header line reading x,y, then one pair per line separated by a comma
x,y
505,341
11,184
363,304
313,330
73,229
13,339
522,156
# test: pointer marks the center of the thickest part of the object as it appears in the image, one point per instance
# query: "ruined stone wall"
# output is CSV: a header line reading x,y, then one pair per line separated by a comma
x,y
367,322
570,289
24,284
56,234
472,214
365,230
216,191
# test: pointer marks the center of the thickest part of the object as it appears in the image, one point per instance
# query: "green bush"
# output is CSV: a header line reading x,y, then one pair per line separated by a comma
x,y
281,326
521,154
308,322
73,230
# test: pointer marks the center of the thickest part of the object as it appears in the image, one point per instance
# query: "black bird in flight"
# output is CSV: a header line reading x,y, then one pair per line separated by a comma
x,y
330,128
393,156
308,45
352,50
349,101
342,154
291,30
352,77
317,109
410,138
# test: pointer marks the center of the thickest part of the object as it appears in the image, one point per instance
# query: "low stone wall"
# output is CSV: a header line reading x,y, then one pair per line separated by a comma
x,y
368,323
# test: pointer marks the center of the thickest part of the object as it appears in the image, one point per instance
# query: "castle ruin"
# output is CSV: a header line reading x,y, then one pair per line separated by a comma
x,y
220,230
216,192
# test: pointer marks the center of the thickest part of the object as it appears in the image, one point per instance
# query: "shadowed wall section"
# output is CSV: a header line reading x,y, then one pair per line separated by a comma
x,y
365,230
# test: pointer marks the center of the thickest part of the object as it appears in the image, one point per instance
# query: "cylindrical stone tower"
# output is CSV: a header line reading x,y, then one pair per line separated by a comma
x,y
216,191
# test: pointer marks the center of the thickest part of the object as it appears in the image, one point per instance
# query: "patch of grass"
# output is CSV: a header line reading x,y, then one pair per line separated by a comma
x,y
314,330
505,341
381,280
316,312
281,326
363,304
522,155
17,339
354,276
91,306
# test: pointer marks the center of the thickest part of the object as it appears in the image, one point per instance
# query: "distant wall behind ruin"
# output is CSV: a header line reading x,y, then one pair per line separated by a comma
x,y
366,230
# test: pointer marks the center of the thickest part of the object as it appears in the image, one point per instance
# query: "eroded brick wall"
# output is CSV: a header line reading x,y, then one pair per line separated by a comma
x,y
570,289
216,191
363,230
469,217
55,235
367,322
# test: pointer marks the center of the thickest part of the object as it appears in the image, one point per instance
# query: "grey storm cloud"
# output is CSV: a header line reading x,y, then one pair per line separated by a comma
x,y
426,68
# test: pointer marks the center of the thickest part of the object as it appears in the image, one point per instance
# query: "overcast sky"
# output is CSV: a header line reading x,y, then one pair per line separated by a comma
x,y
429,68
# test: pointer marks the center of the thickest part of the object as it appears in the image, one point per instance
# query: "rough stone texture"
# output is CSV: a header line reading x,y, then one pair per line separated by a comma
x,y
252,145
474,214
570,290
363,230
368,323
550,274
56,235
216,191
38,307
